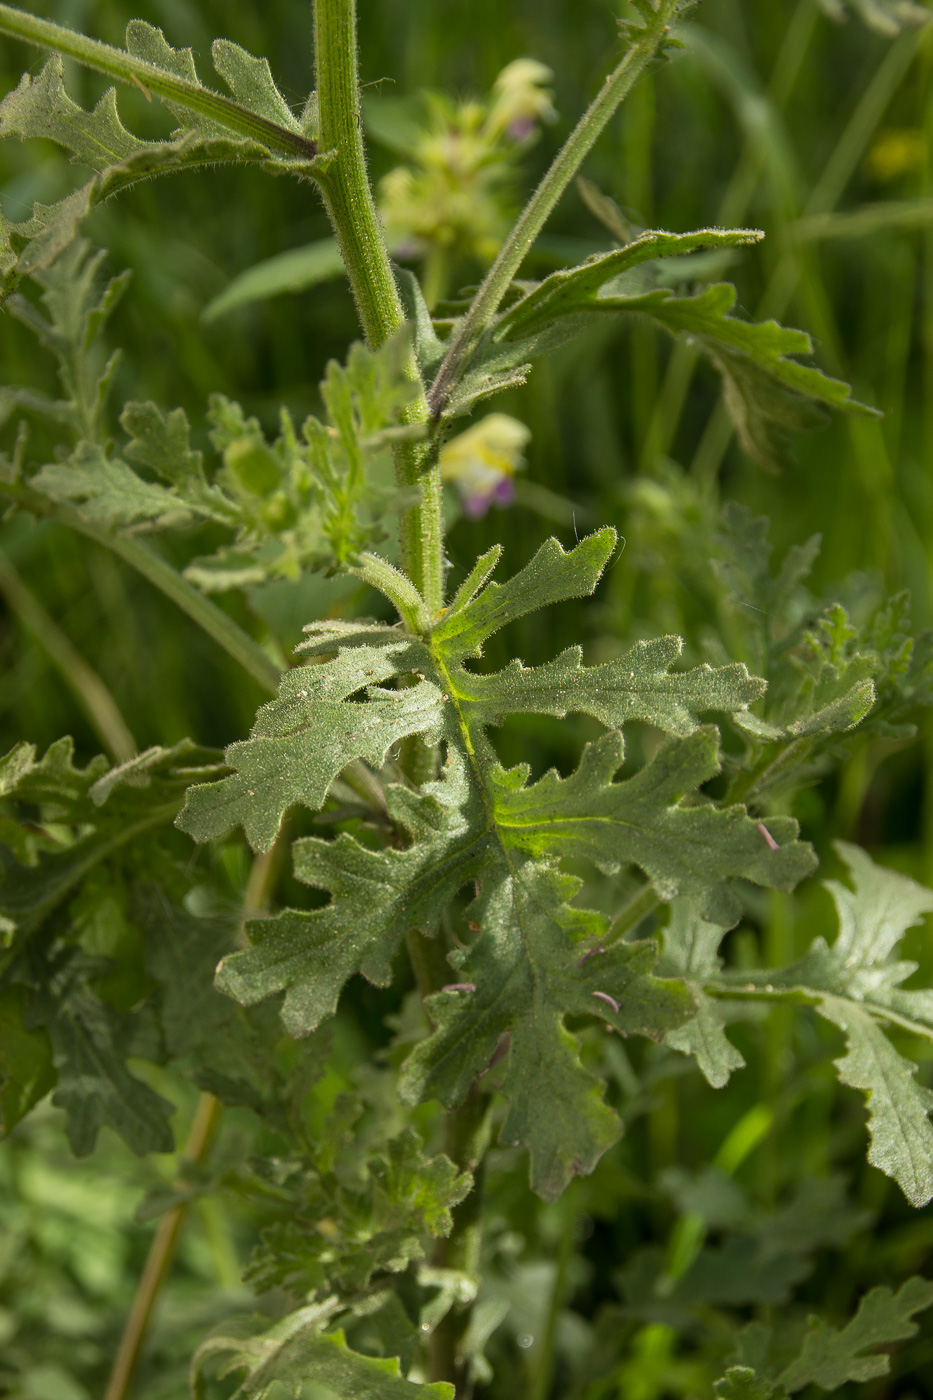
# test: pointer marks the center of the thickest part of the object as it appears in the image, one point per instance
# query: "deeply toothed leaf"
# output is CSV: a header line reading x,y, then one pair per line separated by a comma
x,y
284,1358
856,985
690,950
769,394
536,957
830,1357
303,739
693,848
250,81
521,977
95,1087
85,816
41,107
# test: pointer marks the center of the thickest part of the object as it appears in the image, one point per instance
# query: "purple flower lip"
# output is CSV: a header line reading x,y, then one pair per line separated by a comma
x,y
477,503
520,130
482,461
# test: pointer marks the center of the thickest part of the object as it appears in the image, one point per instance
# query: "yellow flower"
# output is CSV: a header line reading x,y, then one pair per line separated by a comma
x,y
896,151
521,99
482,462
454,197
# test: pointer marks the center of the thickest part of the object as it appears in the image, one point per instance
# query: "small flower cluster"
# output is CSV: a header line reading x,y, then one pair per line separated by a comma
x,y
454,201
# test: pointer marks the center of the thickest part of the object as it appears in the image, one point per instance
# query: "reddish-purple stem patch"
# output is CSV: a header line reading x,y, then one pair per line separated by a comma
x,y
768,837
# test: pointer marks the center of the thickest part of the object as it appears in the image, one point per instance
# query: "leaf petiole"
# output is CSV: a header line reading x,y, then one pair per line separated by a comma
x,y
207,615
126,68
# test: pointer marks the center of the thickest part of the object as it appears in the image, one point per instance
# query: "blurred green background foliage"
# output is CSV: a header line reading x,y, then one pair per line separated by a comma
x,y
775,116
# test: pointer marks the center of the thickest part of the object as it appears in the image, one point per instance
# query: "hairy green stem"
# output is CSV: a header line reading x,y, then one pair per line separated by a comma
x,y
564,167
117,63
346,187
775,759
352,210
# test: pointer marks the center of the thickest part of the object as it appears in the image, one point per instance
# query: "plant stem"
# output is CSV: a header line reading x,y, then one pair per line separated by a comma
x,y
631,914
92,694
123,66
211,619
207,615
352,210
467,1133
542,1376
775,759
615,88
346,185
256,897
159,1259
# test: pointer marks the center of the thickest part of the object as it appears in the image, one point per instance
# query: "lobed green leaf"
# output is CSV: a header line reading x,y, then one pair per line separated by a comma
x,y
575,289
767,392
480,608
92,813
284,1358
689,950
536,958
830,1357
685,848
305,737
41,107
741,1383
855,984
94,1085
520,978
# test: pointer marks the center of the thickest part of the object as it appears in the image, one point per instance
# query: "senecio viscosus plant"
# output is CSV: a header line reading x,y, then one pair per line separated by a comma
x,y
429,849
